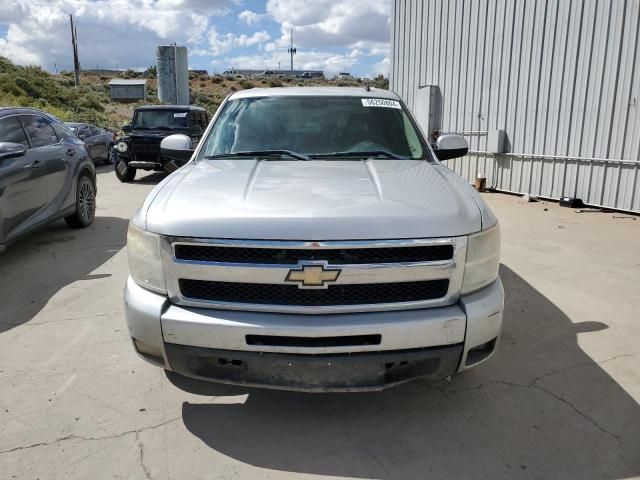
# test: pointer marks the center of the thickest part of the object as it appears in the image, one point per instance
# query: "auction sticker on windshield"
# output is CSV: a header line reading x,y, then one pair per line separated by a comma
x,y
380,102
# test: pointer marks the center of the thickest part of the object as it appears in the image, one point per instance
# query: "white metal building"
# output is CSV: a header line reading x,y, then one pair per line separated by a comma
x,y
546,91
125,89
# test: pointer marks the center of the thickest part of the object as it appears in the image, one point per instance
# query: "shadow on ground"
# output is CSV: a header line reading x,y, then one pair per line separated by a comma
x,y
38,266
142,177
541,408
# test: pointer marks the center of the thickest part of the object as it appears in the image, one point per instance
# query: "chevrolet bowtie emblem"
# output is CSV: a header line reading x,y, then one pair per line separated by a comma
x,y
312,276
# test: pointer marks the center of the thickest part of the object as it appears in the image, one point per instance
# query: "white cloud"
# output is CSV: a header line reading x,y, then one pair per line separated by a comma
x,y
110,32
360,27
382,67
250,17
222,43
334,23
126,32
329,62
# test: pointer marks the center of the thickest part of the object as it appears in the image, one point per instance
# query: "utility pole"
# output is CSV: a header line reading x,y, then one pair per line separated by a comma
x,y
74,44
292,51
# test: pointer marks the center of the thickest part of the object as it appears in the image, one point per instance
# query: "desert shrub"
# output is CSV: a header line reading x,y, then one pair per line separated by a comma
x,y
91,102
28,87
380,82
275,82
8,86
245,84
216,79
10,100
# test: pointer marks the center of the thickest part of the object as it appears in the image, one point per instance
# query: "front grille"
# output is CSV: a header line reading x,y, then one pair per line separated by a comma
x,y
153,148
334,295
146,157
342,256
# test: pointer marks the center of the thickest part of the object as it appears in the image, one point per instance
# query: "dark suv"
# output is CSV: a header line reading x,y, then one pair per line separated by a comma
x,y
45,174
140,149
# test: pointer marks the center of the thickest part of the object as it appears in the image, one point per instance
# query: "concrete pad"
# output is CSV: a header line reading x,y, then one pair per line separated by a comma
x,y
559,399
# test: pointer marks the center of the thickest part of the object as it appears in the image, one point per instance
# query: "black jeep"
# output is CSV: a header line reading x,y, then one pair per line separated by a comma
x,y
140,148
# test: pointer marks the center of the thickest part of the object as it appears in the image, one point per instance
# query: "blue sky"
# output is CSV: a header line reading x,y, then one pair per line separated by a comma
x,y
330,35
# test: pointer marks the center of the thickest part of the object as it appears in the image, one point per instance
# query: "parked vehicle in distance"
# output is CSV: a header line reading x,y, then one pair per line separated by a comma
x,y
314,242
99,141
345,76
140,148
305,75
45,174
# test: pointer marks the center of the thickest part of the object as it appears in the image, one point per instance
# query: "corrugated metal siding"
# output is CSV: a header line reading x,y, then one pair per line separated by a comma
x,y
562,78
128,92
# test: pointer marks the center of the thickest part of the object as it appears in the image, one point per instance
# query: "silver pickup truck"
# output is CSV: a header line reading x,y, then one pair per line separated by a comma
x,y
314,242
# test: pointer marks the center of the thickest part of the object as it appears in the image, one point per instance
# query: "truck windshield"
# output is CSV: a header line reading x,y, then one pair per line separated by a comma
x,y
325,127
159,119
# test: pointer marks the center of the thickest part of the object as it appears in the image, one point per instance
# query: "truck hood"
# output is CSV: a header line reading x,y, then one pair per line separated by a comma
x,y
313,200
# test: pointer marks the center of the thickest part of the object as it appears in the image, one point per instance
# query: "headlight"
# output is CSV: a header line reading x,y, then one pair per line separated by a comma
x,y
145,263
483,259
122,147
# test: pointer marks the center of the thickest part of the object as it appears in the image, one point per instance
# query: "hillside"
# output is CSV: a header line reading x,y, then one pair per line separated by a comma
x,y
55,93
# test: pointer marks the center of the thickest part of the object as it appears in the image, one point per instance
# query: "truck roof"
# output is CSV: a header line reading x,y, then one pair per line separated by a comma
x,y
316,92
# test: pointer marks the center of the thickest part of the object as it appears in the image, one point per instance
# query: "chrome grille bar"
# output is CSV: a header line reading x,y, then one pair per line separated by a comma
x,y
275,274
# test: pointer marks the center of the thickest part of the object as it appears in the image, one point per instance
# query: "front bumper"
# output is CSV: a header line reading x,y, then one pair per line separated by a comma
x,y
344,372
214,344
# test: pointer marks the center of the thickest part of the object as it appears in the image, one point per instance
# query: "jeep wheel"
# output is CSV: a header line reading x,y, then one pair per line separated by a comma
x,y
85,204
124,172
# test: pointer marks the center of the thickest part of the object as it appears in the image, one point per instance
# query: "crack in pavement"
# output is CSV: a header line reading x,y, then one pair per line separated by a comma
x,y
534,384
135,432
90,439
145,469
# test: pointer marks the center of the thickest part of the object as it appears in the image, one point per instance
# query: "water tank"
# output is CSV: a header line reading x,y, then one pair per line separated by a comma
x,y
173,74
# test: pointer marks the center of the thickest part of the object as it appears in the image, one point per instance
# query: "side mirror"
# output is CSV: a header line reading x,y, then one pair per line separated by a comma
x,y
10,150
126,128
177,147
450,146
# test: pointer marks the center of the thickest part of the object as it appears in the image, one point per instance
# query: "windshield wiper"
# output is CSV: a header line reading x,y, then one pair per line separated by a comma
x,y
357,154
260,153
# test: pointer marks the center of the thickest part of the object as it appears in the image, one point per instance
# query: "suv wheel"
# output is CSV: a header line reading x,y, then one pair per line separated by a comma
x,y
109,159
85,204
124,172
